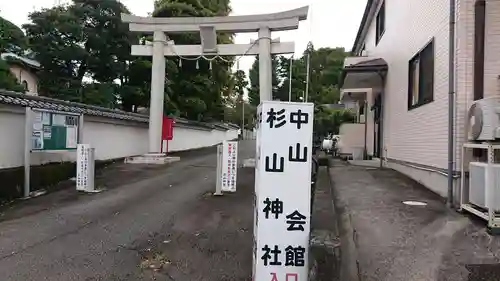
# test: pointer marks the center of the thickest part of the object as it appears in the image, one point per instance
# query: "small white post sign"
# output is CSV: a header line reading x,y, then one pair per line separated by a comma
x,y
229,165
283,191
85,168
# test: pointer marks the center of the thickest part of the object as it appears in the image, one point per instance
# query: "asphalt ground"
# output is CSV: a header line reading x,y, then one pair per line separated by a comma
x,y
394,241
150,223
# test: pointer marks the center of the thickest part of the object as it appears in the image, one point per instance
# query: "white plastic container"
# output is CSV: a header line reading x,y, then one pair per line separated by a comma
x,y
327,144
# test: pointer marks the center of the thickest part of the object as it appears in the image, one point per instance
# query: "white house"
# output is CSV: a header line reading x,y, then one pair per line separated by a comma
x,y
400,68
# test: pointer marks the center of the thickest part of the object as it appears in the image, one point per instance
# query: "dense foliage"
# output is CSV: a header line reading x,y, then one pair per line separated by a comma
x,y
12,40
84,50
327,121
236,107
325,70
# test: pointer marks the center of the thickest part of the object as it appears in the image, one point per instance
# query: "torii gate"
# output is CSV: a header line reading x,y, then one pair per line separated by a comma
x,y
208,26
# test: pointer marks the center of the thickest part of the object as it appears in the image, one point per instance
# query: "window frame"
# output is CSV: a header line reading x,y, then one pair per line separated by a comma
x,y
479,48
422,99
380,23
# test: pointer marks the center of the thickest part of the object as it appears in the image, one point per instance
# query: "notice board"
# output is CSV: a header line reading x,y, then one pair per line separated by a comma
x,y
54,131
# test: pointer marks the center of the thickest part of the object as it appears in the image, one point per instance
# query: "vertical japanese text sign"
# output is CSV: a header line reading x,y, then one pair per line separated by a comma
x,y
283,182
229,165
82,166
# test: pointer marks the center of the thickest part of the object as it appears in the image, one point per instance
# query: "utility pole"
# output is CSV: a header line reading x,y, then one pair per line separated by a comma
x,y
308,50
242,118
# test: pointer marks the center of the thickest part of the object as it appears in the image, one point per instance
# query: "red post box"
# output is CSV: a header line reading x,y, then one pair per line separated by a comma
x,y
167,132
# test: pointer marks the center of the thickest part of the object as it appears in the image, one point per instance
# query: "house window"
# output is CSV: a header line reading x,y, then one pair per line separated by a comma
x,y
25,85
479,34
380,22
421,77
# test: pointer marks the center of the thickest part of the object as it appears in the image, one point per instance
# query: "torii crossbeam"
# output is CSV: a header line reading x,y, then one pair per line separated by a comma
x,y
208,26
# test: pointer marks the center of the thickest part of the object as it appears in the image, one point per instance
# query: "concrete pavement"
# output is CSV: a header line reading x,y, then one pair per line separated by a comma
x,y
139,229
392,241
325,243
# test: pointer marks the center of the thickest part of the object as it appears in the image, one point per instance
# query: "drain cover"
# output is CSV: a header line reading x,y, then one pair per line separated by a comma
x,y
414,203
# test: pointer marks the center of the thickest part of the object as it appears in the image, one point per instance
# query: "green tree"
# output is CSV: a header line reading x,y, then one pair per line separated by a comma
x,y
135,85
57,38
298,79
12,38
234,114
106,38
240,83
87,39
103,94
327,120
235,102
325,70
253,89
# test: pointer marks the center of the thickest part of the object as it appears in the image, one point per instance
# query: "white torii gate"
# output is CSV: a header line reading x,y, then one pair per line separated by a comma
x,y
208,26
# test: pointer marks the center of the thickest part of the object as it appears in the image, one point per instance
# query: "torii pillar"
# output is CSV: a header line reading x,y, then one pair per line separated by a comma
x,y
208,26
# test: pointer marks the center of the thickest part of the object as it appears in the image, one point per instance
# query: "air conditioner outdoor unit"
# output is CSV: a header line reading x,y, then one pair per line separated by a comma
x,y
478,193
484,120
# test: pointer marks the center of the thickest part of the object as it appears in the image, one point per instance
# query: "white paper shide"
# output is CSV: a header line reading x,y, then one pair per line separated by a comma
x,y
85,168
283,191
229,165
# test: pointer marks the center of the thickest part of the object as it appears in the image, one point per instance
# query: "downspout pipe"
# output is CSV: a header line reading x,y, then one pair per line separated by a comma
x,y
365,114
381,118
451,102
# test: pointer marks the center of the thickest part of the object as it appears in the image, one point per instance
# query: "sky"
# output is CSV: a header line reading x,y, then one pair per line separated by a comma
x,y
331,23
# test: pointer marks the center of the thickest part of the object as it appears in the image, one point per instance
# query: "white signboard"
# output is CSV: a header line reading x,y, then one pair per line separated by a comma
x,y
37,139
283,183
229,165
45,118
71,136
84,168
